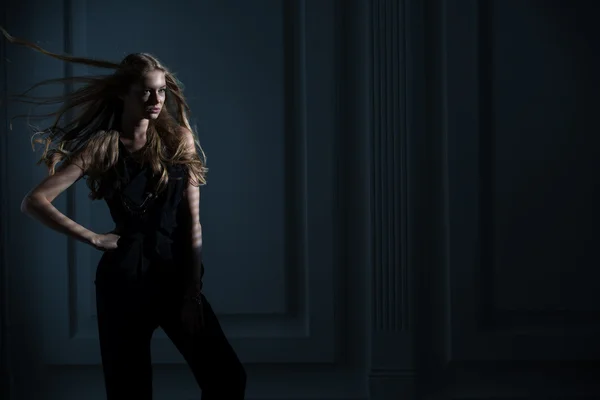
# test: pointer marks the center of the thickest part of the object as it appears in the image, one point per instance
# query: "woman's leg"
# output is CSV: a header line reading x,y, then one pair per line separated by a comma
x,y
213,361
125,328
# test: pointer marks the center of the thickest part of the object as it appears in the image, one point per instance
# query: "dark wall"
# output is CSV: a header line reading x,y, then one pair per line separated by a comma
x,y
451,191
508,300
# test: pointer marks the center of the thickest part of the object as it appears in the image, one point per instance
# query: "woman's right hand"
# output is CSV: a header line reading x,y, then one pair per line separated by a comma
x,y
105,241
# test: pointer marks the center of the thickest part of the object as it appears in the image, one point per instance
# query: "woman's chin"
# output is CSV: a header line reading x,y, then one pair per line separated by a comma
x,y
152,115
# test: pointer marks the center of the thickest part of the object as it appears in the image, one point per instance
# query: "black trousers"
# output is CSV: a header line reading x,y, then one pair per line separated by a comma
x,y
128,314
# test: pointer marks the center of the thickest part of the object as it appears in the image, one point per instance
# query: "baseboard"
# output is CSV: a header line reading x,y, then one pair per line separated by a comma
x,y
299,398
385,385
530,397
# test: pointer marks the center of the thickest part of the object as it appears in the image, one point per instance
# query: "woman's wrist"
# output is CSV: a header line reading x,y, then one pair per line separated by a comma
x,y
91,238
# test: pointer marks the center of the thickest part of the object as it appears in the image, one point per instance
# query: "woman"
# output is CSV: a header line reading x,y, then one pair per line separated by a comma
x,y
132,140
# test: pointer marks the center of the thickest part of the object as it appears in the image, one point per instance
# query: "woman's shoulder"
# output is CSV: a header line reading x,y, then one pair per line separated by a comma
x,y
82,158
187,136
98,149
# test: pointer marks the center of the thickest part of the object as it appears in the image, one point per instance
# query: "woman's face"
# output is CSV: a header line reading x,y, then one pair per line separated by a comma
x,y
146,98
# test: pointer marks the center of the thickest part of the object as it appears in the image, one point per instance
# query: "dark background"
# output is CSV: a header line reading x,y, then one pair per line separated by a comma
x,y
402,201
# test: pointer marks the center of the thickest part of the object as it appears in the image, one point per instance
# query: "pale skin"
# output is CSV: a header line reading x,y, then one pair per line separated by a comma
x,y
142,103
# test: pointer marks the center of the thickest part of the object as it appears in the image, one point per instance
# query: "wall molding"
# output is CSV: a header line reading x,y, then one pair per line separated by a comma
x,y
307,333
388,163
394,78
390,365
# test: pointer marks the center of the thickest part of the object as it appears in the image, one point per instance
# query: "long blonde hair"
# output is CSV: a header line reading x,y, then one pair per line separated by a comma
x,y
95,107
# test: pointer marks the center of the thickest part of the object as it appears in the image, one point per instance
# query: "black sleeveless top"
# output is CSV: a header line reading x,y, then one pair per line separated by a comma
x,y
154,228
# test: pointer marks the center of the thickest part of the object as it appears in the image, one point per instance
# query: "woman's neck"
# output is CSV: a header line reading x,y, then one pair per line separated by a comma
x,y
134,128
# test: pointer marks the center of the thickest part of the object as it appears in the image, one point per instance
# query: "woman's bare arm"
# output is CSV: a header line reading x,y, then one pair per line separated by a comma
x,y
192,193
38,203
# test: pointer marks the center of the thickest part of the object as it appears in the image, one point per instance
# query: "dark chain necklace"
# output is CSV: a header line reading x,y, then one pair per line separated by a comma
x,y
135,209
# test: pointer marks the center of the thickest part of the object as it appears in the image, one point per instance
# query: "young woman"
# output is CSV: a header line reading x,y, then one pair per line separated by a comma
x,y
131,138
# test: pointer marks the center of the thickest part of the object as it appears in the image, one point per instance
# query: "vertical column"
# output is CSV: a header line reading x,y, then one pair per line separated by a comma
x,y
391,346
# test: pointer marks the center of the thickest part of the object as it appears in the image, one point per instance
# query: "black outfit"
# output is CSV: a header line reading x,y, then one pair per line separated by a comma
x,y
140,286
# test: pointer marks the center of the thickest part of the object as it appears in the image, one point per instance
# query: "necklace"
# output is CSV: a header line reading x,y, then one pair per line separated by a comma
x,y
135,209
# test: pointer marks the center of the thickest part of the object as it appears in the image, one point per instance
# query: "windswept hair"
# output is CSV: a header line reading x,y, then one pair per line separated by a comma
x,y
94,110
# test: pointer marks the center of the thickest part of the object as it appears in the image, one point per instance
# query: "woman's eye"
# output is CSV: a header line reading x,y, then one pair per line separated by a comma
x,y
148,91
